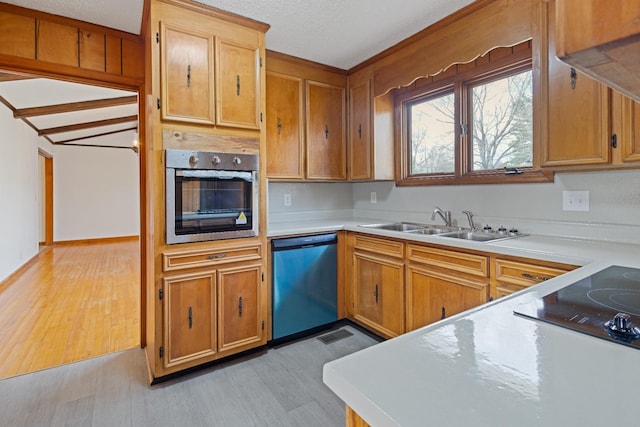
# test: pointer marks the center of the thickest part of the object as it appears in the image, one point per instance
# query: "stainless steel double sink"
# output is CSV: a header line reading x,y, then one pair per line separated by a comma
x,y
443,231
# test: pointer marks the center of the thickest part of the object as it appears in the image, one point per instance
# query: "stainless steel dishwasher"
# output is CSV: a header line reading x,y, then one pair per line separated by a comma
x,y
304,285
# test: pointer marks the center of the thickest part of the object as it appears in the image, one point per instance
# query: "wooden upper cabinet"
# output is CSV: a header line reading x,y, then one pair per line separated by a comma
x,y
576,113
326,141
238,84
626,128
187,75
360,137
284,124
602,39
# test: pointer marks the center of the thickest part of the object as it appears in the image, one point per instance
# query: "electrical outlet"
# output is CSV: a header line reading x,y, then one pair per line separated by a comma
x,y
374,197
575,201
287,199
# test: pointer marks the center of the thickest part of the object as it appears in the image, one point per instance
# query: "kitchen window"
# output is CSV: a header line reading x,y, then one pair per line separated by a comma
x,y
473,123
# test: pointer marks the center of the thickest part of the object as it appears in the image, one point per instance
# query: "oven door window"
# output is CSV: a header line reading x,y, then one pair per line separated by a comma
x,y
210,205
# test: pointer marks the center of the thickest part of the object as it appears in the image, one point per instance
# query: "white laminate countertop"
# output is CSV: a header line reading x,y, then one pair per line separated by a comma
x,y
487,366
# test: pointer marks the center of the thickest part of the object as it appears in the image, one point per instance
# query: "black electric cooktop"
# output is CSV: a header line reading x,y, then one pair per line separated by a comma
x,y
605,305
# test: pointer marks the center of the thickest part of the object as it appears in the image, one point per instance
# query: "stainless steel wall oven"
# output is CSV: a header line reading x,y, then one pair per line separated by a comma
x,y
210,196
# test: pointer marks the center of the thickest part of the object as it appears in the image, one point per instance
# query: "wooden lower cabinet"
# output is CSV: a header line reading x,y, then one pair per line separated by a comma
x,y
354,420
379,294
213,304
432,296
443,282
190,322
239,319
376,278
512,275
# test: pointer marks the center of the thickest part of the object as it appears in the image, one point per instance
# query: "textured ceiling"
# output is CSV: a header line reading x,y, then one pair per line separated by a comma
x,y
124,15
341,33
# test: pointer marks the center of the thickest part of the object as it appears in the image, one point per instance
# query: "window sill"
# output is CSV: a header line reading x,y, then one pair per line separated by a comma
x,y
528,176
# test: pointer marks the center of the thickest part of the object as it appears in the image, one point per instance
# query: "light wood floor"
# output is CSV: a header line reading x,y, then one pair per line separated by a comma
x,y
75,302
281,387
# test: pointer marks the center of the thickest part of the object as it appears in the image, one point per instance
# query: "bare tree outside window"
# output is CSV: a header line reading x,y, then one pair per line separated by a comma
x,y
502,123
433,136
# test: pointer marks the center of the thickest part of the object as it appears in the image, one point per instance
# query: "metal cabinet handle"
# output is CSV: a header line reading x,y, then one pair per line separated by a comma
x,y
240,306
534,277
279,126
360,131
444,313
238,84
189,75
574,78
326,131
217,256
190,317
375,293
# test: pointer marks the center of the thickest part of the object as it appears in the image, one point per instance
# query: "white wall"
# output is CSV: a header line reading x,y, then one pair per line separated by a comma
x,y
533,208
19,205
96,192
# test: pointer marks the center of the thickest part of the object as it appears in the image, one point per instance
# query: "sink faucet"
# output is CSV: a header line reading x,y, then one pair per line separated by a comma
x,y
445,215
469,215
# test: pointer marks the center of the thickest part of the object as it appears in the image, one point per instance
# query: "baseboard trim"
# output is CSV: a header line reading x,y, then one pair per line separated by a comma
x,y
96,240
13,276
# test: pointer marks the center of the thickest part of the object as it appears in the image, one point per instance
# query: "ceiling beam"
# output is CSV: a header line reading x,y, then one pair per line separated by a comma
x,y
95,135
87,125
74,106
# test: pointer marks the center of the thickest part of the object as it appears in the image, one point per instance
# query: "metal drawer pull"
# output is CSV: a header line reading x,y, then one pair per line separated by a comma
x,y
279,126
533,277
444,313
326,131
360,131
238,85
189,75
190,318
375,294
240,306
217,256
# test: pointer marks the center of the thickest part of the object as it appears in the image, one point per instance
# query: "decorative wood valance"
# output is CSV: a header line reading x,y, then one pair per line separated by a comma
x,y
502,23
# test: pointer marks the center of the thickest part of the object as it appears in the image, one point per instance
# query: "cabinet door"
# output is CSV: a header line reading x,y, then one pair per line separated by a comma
x,y
238,85
577,114
326,142
360,144
187,86
432,296
285,154
240,320
379,294
629,135
189,320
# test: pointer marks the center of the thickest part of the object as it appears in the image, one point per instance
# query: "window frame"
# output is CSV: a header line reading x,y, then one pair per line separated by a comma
x,y
462,78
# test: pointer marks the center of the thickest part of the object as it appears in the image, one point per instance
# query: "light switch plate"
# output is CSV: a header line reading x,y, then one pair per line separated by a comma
x,y
374,197
287,199
575,201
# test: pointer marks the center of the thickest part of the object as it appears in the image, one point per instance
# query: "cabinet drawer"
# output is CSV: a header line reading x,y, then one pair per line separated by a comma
x,y
180,260
475,265
517,275
390,248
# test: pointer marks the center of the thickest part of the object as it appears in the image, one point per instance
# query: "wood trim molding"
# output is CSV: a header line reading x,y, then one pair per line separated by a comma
x,y
96,240
467,38
219,14
13,276
271,54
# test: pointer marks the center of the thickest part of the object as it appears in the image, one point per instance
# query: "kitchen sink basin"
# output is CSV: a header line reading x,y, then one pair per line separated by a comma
x,y
430,230
397,226
480,236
